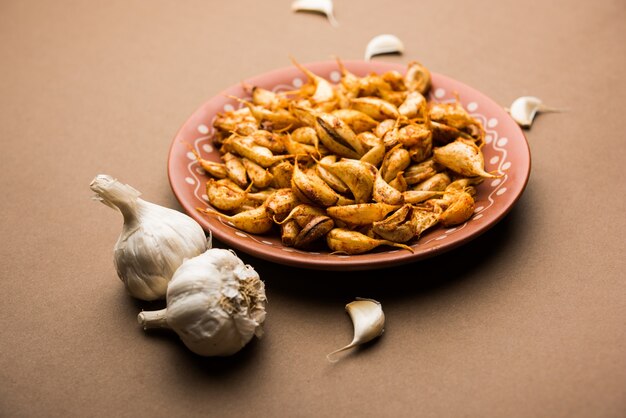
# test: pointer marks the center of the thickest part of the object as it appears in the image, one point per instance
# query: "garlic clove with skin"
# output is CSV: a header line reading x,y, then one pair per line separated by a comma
x,y
324,7
524,109
383,44
215,303
368,320
154,240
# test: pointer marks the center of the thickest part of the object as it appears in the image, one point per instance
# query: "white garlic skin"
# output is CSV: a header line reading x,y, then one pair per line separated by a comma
x,y
383,44
216,303
154,242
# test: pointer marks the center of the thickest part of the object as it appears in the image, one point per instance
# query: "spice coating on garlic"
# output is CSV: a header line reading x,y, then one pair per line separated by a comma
x,y
154,240
215,303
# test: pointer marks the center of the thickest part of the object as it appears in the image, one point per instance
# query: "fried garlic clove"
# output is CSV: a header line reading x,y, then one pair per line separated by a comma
x,y
383,44
368,320
305,135
324,91
524,109
463,157
298,148
444,134
423,219
419,196
282,173
417,173
413,105
376,154
308,186
397,227
346,241
382,192
269,140
216,170
377,109
360,213
384,127
357,121
276,120
333,181
459,210
245,147
259,176
253,221
302,214
337,136
417,77
399,183
357,175
324,7
288,233
315,229
396,160
280,203
225,196
235,169
437,183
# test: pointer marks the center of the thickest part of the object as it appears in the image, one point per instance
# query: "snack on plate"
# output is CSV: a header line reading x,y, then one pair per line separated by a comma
x,y
365,162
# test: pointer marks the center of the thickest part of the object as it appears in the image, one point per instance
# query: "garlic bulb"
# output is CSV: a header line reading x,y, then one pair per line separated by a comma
x,y
215,303
368,320
154,240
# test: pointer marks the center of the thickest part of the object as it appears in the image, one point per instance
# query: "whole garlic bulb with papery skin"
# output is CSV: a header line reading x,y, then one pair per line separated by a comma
x,y
215,303
154,242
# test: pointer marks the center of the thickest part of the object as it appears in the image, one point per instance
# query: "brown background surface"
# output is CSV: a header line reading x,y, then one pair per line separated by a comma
x,y
527,320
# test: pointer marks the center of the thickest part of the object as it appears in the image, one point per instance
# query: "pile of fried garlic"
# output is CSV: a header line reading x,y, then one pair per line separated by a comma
x,y
365,162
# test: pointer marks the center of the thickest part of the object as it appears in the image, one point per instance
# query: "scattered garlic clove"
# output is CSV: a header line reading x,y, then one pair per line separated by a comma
x,y
524,109
368,320
383,44
324,7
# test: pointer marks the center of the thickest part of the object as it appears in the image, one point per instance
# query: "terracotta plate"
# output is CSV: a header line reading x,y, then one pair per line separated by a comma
x,y
506,151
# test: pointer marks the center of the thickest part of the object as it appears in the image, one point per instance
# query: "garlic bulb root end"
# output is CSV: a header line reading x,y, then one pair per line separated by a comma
x,y
153,319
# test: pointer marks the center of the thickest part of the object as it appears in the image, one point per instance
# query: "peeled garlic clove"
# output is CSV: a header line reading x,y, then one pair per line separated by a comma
x,y
383,44
215,303
525,108
324,7
368,319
